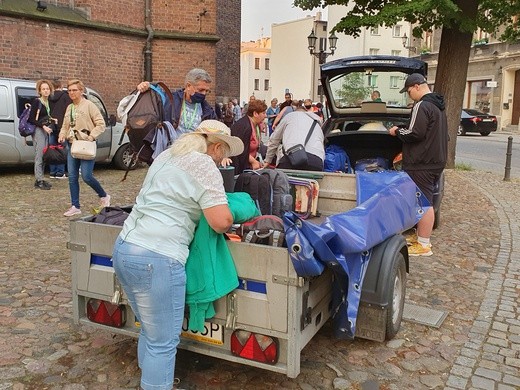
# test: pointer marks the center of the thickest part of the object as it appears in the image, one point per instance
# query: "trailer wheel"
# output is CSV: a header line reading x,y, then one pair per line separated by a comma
x,y
397,294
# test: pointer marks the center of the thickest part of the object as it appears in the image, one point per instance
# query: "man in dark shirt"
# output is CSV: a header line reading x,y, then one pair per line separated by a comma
x,y
58,102
425,150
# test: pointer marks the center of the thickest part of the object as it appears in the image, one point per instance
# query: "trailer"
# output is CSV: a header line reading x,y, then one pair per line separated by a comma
x,y
269,319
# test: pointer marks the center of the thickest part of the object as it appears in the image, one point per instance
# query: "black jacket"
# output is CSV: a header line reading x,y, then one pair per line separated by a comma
x,y
38,115
58,102
425,141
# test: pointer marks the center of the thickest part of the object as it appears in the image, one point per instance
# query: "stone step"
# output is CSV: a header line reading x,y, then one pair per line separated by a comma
x,y
511,129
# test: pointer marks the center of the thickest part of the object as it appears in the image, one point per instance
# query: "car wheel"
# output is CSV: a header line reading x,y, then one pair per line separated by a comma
x,y
484,133
123,157
397,292
461,131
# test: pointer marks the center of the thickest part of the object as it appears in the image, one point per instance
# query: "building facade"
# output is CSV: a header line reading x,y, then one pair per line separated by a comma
x,y
255,75
112,46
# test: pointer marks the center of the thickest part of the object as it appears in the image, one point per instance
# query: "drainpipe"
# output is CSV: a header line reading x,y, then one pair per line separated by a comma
x,y
148,45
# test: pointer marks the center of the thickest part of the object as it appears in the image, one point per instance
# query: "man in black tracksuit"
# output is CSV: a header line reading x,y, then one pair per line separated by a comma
x,y
425,150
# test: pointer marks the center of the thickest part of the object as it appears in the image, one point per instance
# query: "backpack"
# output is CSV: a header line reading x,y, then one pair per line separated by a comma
x,y
336,159
112,215
259,187
265,229
282,198
269,188
24,127
146,123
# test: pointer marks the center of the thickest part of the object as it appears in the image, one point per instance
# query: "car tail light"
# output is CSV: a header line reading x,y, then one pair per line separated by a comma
x,y
254,346
476,119
106,313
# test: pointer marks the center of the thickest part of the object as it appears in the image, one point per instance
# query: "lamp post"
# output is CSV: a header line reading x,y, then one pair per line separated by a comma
x,y
406,44
322,53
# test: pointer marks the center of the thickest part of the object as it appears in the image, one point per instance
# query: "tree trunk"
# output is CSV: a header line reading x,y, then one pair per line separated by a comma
x,y
450,79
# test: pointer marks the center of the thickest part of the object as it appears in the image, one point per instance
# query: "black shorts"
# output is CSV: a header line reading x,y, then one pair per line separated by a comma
x,y
426,181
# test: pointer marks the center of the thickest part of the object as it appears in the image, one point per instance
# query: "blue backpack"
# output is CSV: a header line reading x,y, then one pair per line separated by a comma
x,y
336,160
24,127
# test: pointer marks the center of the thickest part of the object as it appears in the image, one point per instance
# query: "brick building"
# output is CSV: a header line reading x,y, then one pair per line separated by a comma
x,y
107,43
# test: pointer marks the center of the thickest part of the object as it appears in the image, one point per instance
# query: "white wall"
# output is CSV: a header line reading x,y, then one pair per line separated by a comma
x,y
291,63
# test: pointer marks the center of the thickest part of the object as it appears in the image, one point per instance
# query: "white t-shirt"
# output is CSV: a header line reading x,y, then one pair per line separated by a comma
x,y
170,203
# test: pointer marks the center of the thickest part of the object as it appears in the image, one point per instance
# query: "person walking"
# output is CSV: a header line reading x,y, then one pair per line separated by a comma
x,y
150,254
40,116
81,115
190,106
58,102
425,151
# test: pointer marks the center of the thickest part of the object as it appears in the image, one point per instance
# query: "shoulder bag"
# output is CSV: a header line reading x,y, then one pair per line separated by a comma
x,y
296,154
83,149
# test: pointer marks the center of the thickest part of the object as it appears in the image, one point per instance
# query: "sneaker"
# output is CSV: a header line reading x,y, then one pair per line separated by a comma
x,y
417,249
42,185
60,176
52,176
105,201
72,211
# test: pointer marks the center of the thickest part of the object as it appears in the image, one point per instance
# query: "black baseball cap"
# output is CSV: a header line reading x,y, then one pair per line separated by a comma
x,y
414,78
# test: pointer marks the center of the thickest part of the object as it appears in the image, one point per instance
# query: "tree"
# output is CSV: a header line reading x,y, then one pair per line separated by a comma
x,y
353,90
459,19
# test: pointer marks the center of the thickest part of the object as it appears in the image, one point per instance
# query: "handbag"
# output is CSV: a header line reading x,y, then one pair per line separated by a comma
x,y
83,149
296,154
54,155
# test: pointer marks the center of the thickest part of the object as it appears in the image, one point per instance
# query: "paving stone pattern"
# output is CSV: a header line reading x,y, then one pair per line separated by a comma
x,y
473,274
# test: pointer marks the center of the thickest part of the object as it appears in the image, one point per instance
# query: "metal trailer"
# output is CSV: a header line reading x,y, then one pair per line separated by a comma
x,y
272,300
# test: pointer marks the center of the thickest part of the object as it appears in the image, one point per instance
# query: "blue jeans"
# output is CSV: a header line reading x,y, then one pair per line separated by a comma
x,y
155,286
55,169
87,173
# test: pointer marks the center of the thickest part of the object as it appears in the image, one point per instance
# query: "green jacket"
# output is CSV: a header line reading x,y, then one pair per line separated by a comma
x,y
210,270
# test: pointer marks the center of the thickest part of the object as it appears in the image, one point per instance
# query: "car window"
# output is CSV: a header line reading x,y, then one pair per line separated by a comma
x,y
24,95
97,101
474,112
355,88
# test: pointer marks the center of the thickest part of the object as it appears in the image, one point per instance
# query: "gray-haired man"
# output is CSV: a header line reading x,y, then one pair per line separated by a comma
x,y
189,103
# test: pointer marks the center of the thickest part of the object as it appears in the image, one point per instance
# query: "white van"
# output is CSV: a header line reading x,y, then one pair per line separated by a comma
x,y
15,149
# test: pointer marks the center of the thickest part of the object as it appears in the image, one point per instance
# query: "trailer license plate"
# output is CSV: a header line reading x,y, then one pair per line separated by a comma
x,y
212,333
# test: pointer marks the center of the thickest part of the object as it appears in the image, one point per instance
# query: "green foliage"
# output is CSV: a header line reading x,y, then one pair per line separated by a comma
x,y
425,15
463,167
353,90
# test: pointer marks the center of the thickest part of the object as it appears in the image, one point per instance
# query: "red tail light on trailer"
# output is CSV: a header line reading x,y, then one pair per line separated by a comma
x,y
254,346
106,313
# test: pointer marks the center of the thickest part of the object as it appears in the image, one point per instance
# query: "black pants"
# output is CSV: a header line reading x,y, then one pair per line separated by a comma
x,y
314,163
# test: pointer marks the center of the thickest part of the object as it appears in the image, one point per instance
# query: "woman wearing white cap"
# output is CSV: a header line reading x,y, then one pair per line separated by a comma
x,y
150,253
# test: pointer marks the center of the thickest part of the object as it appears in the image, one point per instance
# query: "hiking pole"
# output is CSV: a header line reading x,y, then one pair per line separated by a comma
x,y
509,152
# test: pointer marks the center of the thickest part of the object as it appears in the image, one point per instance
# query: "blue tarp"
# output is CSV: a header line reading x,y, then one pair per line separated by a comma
x,y
388,204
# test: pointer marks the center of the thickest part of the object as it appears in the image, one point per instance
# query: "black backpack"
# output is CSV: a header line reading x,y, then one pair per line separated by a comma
x,y
148,116
265,230
269,188
259,187
112,215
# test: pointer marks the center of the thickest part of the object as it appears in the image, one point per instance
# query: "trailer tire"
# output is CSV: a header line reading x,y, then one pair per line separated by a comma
x,y
397,292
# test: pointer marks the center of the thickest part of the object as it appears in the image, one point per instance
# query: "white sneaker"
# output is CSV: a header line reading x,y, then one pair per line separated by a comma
x,y
105,201
72,211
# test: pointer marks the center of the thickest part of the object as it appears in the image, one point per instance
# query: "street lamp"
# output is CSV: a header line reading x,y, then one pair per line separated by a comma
x,y
406,42
321,54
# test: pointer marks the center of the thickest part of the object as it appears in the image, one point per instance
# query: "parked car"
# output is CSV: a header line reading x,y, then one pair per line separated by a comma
x,y
474,121
360,125
112,145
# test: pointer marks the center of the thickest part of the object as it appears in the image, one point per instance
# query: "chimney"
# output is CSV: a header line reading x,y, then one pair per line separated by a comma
x,y
318,16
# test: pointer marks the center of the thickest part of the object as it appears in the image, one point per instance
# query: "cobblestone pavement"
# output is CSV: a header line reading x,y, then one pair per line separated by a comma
x,y
474,275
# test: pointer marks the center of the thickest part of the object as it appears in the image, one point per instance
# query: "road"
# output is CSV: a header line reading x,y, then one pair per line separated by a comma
x,y
488,153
